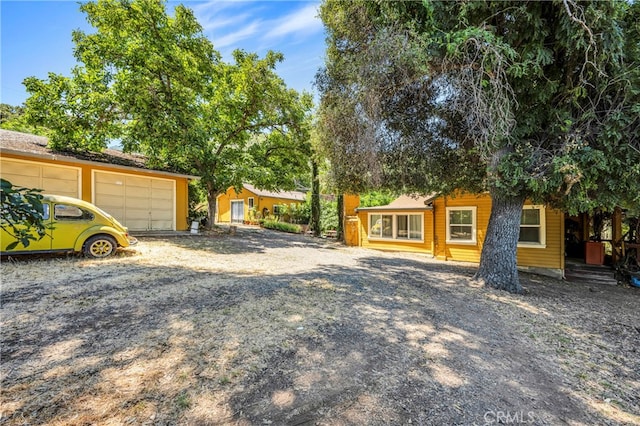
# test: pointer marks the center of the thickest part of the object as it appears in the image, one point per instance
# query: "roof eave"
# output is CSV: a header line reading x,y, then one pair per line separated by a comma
x,y
394,209
57,157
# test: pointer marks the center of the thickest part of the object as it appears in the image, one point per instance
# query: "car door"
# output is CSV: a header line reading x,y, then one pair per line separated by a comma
x,y
39,244
69,222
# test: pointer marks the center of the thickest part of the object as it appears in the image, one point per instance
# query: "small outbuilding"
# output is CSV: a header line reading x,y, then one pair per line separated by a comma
x,y
251,203
141,198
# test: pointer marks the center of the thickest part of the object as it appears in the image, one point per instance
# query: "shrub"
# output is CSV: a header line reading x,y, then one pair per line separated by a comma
x,y
282,226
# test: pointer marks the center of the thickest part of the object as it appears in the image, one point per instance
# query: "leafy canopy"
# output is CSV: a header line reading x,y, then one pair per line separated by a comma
x,y
155,83
529,99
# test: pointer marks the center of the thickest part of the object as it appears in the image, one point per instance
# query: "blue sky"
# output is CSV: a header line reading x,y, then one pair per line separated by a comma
x,y
35,37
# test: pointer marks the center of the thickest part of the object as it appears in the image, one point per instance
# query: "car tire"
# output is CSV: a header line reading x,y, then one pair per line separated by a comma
x,y
100,246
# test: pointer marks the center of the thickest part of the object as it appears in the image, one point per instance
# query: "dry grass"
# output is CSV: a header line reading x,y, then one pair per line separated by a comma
x,y
268,328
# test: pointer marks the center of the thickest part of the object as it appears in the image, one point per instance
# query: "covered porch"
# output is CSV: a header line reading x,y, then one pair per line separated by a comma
x,y
598,242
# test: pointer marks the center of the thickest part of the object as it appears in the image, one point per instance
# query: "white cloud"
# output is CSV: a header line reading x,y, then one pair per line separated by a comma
x,y
303,21
232,39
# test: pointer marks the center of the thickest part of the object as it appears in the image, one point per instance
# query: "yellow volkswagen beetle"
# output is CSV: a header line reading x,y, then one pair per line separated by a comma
x,y
74,226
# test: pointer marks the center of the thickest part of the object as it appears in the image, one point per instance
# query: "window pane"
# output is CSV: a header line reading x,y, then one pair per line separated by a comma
x,y
415,227
530,217
461,217
387,226
460,232
45,211
375,229
66,212
529,235
402,224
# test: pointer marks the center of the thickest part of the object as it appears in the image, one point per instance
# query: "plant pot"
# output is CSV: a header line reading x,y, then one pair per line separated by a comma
x,y
594,253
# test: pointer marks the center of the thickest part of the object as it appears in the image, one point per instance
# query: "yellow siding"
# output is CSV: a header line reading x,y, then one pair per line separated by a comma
x,y
398,245
551,256
461,252
182,197
351,202
259,203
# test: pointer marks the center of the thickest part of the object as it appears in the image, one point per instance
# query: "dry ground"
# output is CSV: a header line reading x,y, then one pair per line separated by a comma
x,y
268,328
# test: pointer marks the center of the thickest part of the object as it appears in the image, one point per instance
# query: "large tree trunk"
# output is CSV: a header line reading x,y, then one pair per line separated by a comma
x,y
315,199
498,266
212,199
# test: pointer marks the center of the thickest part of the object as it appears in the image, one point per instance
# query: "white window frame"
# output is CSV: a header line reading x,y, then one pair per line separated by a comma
x,y
474,225
394,224
543,228
250,202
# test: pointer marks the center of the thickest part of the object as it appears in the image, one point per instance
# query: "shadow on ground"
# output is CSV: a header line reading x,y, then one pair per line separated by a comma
x,y
383,340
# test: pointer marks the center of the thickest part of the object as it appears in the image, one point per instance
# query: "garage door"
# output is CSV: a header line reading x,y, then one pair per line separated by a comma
x,y
58,180
138,202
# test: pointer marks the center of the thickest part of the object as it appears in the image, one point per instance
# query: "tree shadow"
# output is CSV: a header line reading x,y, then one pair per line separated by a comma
x,y
389,340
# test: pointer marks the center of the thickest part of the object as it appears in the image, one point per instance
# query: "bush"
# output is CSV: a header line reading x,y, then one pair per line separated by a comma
x,y
282,226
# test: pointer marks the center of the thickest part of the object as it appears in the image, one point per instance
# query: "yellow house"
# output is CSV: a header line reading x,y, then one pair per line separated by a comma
x,y
140,198
453,228
252,203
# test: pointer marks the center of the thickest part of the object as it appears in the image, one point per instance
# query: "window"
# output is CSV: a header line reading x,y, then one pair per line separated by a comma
x,y
461,225
532,227
396,226
277,210
409,226
45,211
67,212
250,201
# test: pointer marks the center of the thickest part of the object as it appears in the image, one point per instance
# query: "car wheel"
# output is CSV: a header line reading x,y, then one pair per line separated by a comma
x,y
100,246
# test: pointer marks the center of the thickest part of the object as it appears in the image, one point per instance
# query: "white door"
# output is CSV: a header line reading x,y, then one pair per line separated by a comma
x,y
138,202
237,211
52,179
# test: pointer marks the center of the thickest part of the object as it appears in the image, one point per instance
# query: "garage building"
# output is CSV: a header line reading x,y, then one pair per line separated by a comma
x,y
140,198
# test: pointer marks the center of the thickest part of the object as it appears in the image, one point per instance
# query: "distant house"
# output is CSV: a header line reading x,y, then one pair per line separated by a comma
x,y
140,198
251,203
453,228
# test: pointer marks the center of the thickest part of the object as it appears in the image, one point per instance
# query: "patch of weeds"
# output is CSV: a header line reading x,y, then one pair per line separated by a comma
x,y
606,385
224,380
183,401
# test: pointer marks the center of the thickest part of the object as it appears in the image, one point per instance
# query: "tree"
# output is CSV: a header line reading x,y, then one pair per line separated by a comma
x,y
21,213
525,100
13,118
155,83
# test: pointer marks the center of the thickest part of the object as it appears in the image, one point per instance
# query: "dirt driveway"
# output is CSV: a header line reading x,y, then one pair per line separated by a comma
x,y
269,328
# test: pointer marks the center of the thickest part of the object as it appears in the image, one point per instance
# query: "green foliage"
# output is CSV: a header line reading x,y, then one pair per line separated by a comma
x,y
197,201
328,214
155,82
377,198
13,118
523,98
282,226
298,213
21,214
